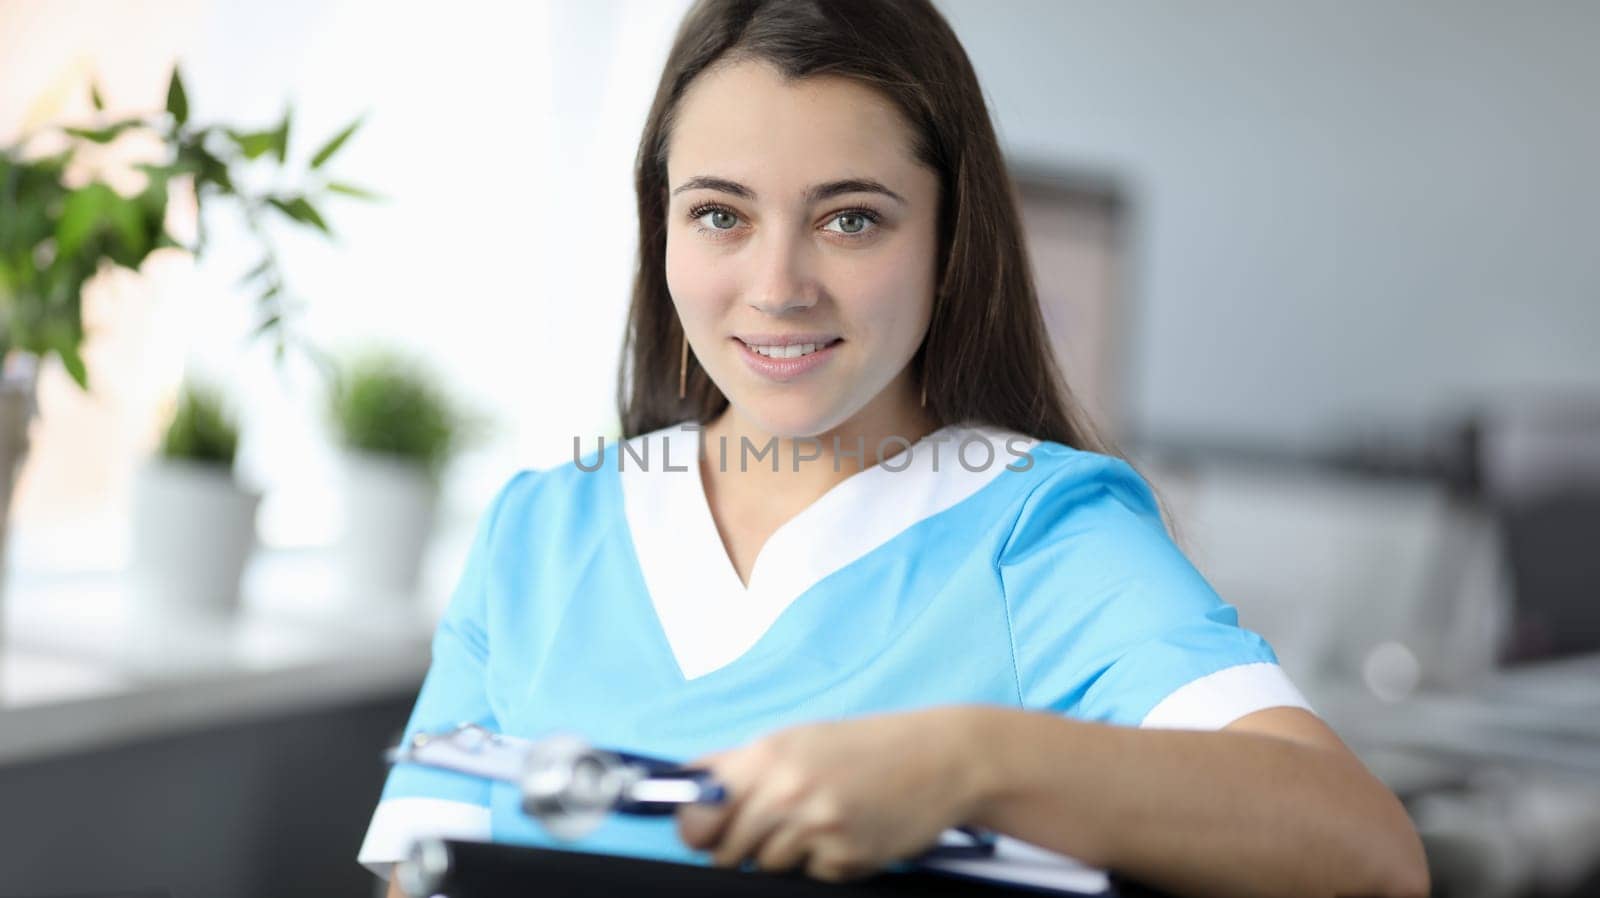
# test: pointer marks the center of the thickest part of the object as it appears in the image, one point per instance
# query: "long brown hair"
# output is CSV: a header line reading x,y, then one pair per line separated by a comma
x,y
991,361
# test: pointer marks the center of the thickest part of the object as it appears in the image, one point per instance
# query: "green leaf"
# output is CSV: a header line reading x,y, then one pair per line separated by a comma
x,y
390,403
152,205
128,223
49,167
161,172
207,168
360,193
96,209
203,427
261,268
298,209
81,215
95,98
106,134
64,340
177,99
332,146
254,144
280,138
269,324
74,365
98,135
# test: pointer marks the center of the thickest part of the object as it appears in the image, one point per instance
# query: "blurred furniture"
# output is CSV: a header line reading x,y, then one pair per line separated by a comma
x,y
1437,603
1538,465
262,806
197,757
1391,583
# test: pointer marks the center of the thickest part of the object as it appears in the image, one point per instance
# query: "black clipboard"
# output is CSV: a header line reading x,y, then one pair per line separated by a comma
x,y
498,870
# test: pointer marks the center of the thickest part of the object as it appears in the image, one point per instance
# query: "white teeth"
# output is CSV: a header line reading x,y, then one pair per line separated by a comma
x,y
792,351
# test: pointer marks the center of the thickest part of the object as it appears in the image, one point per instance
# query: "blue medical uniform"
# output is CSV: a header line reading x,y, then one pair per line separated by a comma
x,y
977,565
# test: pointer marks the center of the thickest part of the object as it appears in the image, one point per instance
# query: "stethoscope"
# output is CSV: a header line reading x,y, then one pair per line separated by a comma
x,y
570,786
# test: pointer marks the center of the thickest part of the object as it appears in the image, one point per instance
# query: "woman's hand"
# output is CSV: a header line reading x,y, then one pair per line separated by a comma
x,y
840,799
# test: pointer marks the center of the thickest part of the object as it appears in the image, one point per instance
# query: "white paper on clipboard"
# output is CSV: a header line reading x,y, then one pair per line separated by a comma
x,y
1026,864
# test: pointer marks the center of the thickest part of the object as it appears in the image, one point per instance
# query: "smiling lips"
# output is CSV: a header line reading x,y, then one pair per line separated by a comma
x,y
785,357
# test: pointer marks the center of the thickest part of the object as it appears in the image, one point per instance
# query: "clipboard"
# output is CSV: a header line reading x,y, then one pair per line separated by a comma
x,y
494,870
570,787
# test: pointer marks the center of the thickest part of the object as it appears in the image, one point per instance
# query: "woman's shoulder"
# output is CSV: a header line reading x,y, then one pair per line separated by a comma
x,y
1085,495
1092,527
579,487
1058,474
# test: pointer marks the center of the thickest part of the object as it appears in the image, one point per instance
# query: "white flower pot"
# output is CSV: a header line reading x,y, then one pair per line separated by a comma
x,y
193,530
390,505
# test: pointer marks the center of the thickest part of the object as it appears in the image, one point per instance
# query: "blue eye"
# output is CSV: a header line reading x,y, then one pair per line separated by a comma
x,y
722,218
718,219
860,219
856,221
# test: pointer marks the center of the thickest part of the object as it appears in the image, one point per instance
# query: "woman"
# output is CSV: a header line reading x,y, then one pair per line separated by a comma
x,y
783,578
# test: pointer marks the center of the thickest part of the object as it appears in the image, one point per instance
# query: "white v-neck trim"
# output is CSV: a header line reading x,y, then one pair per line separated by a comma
x,y
709,618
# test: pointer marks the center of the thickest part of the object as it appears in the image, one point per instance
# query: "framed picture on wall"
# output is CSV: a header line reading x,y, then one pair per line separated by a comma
x,y
1076,230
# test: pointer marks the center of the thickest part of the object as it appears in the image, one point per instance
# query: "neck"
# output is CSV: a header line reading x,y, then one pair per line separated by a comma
x,y
810,464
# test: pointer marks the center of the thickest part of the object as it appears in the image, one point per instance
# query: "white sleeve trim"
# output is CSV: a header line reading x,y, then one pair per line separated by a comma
x,y
1218,699
399,821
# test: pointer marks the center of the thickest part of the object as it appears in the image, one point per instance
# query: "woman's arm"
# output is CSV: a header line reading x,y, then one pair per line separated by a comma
x,y
1275,804
1272,805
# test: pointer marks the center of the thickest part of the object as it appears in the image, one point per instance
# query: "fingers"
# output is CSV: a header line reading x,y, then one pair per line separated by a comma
x,y
701,825
744,835
737,829
831,869
774,815
783,850
770,834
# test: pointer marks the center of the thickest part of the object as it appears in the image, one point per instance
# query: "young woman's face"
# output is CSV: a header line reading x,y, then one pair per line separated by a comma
x,y
802,242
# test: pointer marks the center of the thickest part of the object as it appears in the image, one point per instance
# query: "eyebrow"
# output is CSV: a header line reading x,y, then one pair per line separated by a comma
x,y
814,194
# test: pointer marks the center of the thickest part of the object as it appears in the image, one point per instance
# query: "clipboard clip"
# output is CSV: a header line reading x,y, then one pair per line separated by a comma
x,y
566,784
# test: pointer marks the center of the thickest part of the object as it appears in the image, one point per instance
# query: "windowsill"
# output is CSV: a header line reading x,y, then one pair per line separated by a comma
x,y
83,663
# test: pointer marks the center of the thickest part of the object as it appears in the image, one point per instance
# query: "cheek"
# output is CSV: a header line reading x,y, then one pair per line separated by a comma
x,y
892,300
695,286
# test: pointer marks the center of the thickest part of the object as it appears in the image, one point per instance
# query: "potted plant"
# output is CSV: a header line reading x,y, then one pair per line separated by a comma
x,y
193,524
58,231
396,429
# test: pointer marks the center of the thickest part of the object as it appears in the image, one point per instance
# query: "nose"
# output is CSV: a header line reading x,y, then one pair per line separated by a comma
x,y
784,282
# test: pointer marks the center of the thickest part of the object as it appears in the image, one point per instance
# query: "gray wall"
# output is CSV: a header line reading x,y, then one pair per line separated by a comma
x,y
1346,210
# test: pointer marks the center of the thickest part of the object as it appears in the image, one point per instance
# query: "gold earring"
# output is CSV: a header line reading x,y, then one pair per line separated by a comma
x,y
683,366
924,391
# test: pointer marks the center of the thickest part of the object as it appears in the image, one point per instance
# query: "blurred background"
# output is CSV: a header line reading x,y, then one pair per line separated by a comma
x,y
1325,271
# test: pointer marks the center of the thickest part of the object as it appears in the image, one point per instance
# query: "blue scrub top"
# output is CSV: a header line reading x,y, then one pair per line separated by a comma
x,y
978,565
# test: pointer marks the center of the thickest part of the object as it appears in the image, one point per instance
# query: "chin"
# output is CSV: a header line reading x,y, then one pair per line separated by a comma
x,y
790,417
